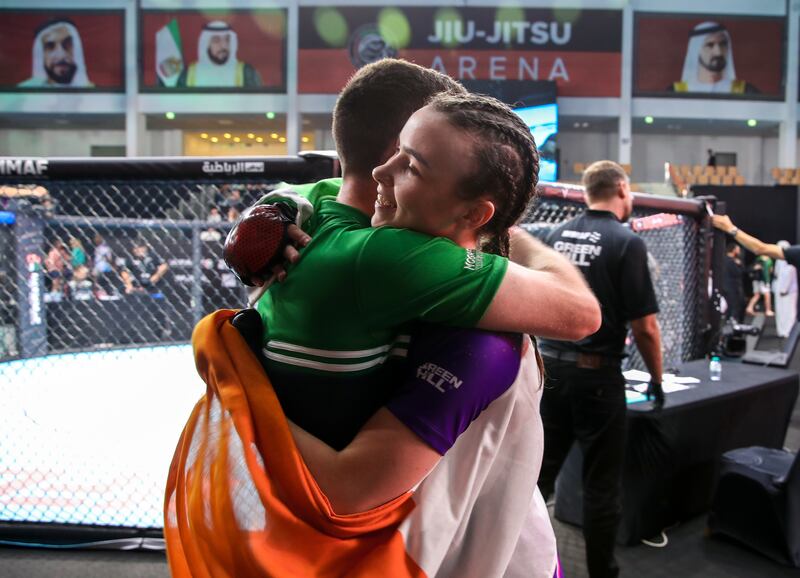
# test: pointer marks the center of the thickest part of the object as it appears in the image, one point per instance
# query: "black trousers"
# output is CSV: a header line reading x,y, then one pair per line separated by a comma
x,y
588,406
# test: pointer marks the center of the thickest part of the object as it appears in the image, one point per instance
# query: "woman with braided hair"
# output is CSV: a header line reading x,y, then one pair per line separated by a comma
x,y
465,422
496,171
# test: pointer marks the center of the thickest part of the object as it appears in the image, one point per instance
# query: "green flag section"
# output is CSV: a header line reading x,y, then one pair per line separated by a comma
x,y
169,54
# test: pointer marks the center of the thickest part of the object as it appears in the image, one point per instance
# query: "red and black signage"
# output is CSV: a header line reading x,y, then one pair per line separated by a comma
x,y
47,50
213,51
709,56
578,49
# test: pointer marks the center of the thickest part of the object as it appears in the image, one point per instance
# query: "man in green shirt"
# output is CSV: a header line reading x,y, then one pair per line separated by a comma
x,y
345,305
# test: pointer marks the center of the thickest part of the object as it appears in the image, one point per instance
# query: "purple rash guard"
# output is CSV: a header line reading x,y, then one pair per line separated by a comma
x,y
454,374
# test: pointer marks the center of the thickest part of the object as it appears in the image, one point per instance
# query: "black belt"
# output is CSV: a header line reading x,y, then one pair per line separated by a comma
x,y
582,360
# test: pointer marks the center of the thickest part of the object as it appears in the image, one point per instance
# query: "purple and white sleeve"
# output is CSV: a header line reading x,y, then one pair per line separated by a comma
x,y
453,375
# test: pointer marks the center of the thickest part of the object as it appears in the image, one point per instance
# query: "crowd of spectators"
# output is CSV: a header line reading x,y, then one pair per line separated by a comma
x,y
229,200
105,283
227,203
72,274
80,267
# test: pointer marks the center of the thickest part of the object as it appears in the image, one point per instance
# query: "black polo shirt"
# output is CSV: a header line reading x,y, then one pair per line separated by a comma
x,y
792,255
614,261
142,268
732,285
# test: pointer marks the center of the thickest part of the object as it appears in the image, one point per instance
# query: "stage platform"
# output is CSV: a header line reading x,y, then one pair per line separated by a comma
x,y
672,456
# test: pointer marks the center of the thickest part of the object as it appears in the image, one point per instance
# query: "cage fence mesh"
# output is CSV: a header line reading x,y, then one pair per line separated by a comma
x,y
108,277
677,267
142,271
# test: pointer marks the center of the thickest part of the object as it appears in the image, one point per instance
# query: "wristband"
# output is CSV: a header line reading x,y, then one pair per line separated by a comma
x,y
733,232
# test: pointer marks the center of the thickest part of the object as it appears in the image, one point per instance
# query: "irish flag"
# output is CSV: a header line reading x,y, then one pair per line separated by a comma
x,y
241,503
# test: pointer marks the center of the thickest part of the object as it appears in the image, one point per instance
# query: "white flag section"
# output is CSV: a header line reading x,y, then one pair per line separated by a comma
x,y
169,57
479,511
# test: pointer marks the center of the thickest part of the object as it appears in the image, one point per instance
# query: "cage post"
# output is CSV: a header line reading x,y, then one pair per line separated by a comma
x,y
712,252
32,316
197,276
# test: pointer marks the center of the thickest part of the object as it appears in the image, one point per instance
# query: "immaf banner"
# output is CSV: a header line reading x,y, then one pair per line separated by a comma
x,y
578,49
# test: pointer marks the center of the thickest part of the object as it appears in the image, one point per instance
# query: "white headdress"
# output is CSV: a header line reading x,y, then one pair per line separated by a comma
x,y
692,63
80,78
208,72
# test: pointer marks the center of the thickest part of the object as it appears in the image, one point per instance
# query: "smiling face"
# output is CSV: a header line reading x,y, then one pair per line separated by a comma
x,y
59,60
418,186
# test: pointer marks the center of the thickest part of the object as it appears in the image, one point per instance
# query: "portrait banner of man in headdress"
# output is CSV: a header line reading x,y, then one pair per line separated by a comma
x,y
680,55
708,66
217,63
61,51
192,50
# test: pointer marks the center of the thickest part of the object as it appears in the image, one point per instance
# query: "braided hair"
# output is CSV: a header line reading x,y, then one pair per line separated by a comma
x,y
506,163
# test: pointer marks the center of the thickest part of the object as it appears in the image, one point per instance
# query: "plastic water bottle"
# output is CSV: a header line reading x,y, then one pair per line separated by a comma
x,y
715,368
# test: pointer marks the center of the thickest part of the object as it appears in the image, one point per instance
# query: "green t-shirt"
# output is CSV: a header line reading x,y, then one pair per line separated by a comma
x,y
78,257
766,268
342,307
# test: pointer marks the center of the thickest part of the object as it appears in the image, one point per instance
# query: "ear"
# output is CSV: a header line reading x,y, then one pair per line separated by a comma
x,y
621,189
478,214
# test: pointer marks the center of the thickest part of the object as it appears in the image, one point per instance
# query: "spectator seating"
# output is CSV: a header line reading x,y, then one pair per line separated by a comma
x,y
578,169
687,175
706,175
785,176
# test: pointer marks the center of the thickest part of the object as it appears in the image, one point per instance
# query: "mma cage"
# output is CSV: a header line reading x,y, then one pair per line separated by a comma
x,y
96,373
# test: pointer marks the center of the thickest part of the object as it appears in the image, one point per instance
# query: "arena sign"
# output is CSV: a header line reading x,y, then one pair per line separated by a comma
x,y
34,288
578,49
231,169
23,167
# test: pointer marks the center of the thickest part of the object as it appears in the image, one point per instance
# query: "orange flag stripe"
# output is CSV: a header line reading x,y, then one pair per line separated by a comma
x,y
237,446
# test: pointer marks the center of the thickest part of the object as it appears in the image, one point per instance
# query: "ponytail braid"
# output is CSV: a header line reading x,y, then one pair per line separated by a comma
x,y
506,161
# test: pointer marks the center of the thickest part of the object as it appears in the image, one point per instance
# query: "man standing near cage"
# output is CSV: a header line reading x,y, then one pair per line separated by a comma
x,y
761,274
783,251
785,295
732,281
144,271
584,398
